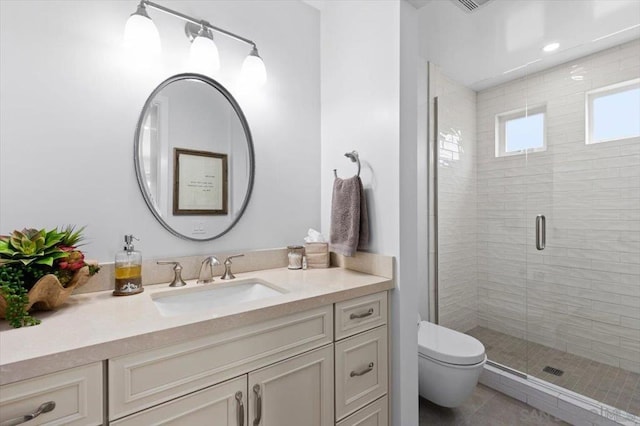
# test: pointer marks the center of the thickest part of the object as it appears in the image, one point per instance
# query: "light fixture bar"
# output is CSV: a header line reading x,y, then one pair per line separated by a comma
x,y
196,21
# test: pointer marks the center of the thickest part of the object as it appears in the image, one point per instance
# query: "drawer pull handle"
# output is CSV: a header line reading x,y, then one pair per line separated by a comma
x,y
362,372
362,315
256,390
44,408
240,408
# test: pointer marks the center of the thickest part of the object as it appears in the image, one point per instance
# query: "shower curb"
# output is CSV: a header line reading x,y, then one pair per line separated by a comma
x,y
556,401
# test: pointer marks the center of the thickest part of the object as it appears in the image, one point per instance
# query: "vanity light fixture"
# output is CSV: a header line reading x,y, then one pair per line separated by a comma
x,y
253,73
141,32
551,47
203,54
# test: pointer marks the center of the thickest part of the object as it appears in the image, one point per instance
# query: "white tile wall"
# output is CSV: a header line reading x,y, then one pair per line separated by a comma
x,y
458,297
582,293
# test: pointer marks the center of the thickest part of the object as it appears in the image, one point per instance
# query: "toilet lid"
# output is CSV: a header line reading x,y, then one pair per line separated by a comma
x,y
450,346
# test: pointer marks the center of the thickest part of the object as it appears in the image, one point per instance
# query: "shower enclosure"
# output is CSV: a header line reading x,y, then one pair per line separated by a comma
x,y
535,200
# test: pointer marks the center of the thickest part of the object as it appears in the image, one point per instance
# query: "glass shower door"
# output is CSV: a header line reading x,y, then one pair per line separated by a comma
x,y
583,286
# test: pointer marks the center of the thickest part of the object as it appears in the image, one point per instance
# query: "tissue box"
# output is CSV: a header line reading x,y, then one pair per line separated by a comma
x,y
317,255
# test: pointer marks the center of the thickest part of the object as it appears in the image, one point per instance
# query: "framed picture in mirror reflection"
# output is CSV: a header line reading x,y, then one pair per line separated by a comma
x,y
200,183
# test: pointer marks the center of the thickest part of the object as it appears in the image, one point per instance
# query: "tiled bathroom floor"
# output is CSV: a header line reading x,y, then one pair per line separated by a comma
x,y
485,407
610,385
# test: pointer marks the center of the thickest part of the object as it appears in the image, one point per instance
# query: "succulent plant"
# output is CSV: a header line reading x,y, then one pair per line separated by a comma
x,y
27,256
32,245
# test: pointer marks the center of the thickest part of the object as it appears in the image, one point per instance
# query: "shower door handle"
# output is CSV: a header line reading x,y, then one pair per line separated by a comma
x,y
541,232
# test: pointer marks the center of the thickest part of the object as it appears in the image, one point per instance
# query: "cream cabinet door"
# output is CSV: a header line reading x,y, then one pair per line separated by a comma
x,y
295,392
220,405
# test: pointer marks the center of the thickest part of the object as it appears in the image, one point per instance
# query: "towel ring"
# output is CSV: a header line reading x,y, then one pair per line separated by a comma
x,y
353,156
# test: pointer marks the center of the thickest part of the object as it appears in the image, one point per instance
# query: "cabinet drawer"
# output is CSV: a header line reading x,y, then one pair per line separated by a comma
x,y
361,314
226,404
375,414
143,379
361,370
77,394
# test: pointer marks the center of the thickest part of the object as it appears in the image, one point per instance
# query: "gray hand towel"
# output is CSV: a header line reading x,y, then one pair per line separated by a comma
x,y
349,219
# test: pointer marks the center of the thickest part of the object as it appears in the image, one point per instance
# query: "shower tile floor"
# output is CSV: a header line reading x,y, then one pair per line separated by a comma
x,y
610,385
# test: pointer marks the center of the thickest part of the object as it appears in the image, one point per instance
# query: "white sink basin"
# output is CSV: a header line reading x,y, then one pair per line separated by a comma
x,y
208,297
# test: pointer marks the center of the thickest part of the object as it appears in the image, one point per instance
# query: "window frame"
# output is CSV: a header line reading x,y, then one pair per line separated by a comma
x,y
500,129
591,95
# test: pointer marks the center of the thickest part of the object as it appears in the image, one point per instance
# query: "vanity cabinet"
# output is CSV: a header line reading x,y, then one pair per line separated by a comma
x,y
144,379
287,371
296,391
75,396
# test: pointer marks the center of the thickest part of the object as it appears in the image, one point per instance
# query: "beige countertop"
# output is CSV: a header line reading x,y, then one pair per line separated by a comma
x,y
95,326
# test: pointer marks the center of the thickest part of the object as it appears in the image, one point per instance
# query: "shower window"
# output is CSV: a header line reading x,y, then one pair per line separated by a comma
x,y
612,112
521,131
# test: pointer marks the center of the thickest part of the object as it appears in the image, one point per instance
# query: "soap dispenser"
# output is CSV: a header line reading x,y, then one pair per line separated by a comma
x,y
128,265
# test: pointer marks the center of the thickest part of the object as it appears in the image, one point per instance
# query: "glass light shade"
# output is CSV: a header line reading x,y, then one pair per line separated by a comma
x,y
203,56
141,34
253,72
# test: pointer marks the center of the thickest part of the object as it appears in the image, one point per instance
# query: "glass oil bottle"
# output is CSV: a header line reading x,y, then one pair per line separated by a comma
x,y
128,269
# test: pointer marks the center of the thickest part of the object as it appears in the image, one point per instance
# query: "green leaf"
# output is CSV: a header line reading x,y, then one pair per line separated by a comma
x,y
71,237
16,239
52,238
44,261
6,251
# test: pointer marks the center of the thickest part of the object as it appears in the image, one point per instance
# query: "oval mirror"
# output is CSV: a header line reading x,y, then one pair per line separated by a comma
x,y
194,157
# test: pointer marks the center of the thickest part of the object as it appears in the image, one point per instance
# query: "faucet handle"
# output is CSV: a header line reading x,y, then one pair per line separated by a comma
x,y
227,261
228,275
177,273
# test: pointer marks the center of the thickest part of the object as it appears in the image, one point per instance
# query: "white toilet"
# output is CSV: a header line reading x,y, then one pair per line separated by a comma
x,y
449,364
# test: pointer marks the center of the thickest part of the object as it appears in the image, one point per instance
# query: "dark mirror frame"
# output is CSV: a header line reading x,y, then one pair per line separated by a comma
x,y
136,151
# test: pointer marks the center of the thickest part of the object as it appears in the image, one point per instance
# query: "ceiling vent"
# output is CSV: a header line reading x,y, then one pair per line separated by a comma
x,y
470,5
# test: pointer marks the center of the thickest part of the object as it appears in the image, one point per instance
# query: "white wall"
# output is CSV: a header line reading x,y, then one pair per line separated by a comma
x,y
404,303
71,99
360,75
368,84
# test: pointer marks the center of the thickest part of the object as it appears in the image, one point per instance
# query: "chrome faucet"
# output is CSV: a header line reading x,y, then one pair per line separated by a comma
x,y
228,275
206,269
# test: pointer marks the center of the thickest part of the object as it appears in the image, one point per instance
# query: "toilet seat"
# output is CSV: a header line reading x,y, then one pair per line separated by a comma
x,y
448,346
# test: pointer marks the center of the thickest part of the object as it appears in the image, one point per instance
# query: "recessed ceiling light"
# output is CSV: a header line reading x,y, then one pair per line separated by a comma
x,y
551,47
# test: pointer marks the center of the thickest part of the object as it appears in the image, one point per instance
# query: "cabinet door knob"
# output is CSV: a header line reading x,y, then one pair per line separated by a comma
x,y
43,408
256,390
363,371
240,408
362,315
